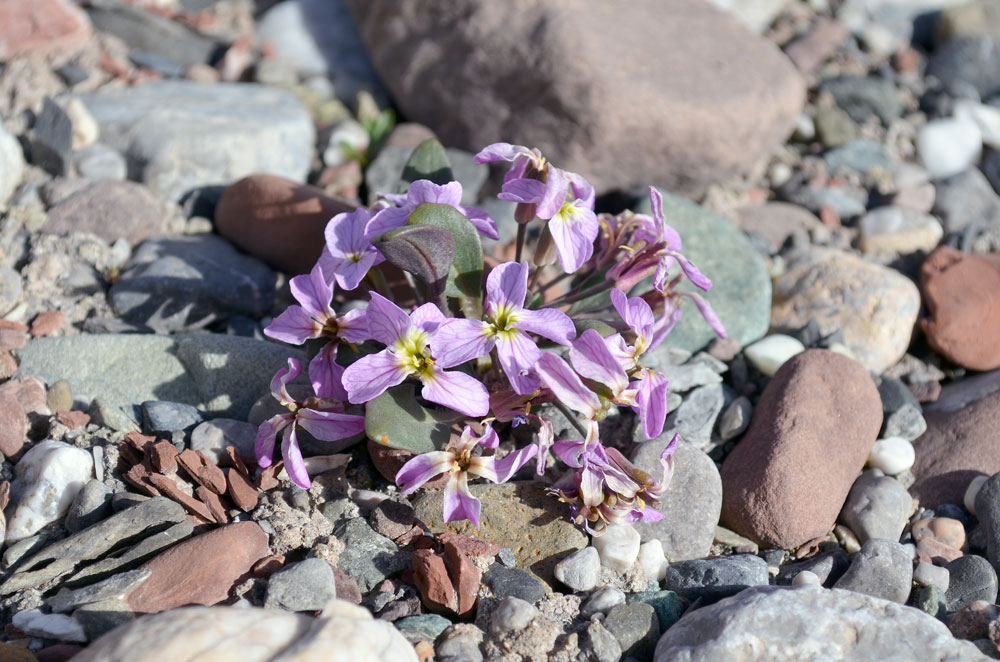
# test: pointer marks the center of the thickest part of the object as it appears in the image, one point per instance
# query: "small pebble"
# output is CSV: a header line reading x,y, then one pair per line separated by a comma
x,y
892,456
846,538
653,561
806,577
618,547
512,614
770,353
948,146
928,574
580,570
972,492
736,418
601,601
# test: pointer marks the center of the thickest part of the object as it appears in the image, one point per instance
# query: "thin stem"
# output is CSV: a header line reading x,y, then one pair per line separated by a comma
x,y
554,281
522,234
571,417
378,281
413,285
590,291
534,277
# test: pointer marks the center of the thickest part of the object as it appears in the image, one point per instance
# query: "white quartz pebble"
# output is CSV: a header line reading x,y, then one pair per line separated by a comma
x,y
892,456
618,547
987,118
949,146
768,354
928,574
972,492
50,626
806,577
653,560
46,481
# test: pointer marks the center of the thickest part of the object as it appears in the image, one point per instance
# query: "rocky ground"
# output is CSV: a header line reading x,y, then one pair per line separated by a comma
x,y
833,166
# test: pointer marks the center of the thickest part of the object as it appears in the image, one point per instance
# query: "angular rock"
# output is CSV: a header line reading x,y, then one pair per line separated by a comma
x,y
785,482
636,628
116,586
877,507
882,569
717,578
506,582
899,230
863,97
47,479
13,425
180,135
579,571
684,153
369,557
874,307
966,199
304,586
213,437
111,210
755,625
91,504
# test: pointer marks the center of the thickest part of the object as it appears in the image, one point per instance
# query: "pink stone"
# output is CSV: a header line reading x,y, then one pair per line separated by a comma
x,y
41,26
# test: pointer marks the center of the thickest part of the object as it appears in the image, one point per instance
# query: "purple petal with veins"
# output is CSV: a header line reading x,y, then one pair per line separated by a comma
x,y
459,340
651,403
387,322
427,317
352,326
548,323
591,358
573,232
554,195
506,286
570,452
556,375
424,190
692,272
313,293
708,313
330,425
518,355
420,469
349,273
267,433
294,464
456,390
512,463
389,218
500,152
459,503
524,191
370,376
293,326
325,374
485,224
636,313
282,378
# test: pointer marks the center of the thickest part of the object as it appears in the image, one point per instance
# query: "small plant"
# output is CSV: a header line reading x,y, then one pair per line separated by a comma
x,y
445,377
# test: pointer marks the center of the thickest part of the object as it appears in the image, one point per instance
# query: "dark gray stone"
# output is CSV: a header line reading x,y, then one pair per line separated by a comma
x,y
966,200
304,586
695,418
142,551
91,504
164,417
425,627
990,165
368,558
971,578
859,155
988,511
636,627
829,567
52,141
967,66
99,618
863,97
144,31
603,645
159,63
847,201
114,587
507,582
717,578
882,569
184,283
877,506
895,395
668,606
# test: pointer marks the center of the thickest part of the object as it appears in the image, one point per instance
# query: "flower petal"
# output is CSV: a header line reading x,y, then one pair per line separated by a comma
x,y
267,433
460,340
294,326
500,471
500,152
485,224
427,317
424,190
456,390
558,377
506,286
294,464
459,503
548,323
370,376
352,326
592,359
387,322
624,354
518,355
389,218
570,452
554,195
667,462
692,272
651,403
656,205
706,310
636,313
326,374
282,378
345,233
350,273
330,425
313,293
525,191
420,469
573,232
582,189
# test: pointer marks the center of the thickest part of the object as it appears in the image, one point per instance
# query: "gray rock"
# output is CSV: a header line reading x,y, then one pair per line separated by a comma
x,y
859,155
114,587
22,548
580,570
716,578
425,627
603,645
877,506
507,582
695,418
383,173
184,283
683,378
121,418
930,600
882,569
145,31
304,586
862,97
736,418
827,567
512,614
471,175
99,618
601,601
11,165
834,127
459,645
667,604
847,201
214,436
907,422
392,518
636,628
91,505
218,374
98,161
970,578
987,506
967,66
964,200
164,417
781,624
692,502
368,558
52,142
10,289
142,551
179,135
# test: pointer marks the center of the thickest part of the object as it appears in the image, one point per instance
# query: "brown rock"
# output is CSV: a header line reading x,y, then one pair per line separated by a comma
x,y
163,456
241,490
167,486
13,425
467,578
73,419
277,220
201,570
47,323
347,586
56,653
138,475
962,294
111,210
202,470
818,46
812,430
972,621
392,519
776,221
268,479
268,565
683,89
431,576
932,550
214,503
468,545
8,366
12,339
41,26
943,529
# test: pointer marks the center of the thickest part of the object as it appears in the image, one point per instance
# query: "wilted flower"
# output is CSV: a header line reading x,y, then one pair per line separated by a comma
x,y
423,191
536,185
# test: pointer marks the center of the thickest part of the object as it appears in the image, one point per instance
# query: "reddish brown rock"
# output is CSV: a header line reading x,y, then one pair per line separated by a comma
x,y
8,366
943,529
468,545
932,550
214,503
972,621
267,566
467,578
277,220
13,425
241,490
776,221
347,586
57,653
818,46
41,26
388,461
111,210
47,323
431,576
812,430
163,456
167,486
962,295
202,470
12,339
74,420
201,570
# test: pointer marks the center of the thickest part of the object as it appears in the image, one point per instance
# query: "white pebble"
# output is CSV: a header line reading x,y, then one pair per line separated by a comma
x,y
928,574
653,560
601,601
987,118
806,577
46,481
770,353
972,492
86,130
892,456
949,146
580,570
347,136
618,547
49,626
511,615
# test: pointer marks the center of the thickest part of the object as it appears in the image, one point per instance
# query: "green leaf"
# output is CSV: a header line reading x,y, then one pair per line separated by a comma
x,y
428,161
465,277
601,327
395,419
426,251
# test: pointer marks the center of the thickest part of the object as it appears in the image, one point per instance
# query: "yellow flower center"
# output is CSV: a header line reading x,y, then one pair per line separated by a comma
x,y
414,354
503,323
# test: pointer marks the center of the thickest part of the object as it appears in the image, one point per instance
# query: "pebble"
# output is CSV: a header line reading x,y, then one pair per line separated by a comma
x,y
668,605
842,624
653,561
368,558
877,506
930,600
460,644
928,574
736,418
975,485
859,155
212,438
163,417
580,570
784,484
834,127
881,569
10,289
506,582
59,396
247,128
946,147
971,578
716,578
806,577
115,586
99,162
52,139
985,117
945,530
987,509
862,97
424,627
601,601
50,626
636,627
11,165
618,547
892,456
692,501
967,64
770,353
973,620
965,199
512,614
392,519
898,230
604,647
694,418
91,504
776,221
874,307
304,586
13,425
47,479
847,539
828,566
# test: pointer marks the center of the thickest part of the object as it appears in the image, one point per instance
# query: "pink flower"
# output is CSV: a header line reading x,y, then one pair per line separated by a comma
x,y
349,254
420,192
324,419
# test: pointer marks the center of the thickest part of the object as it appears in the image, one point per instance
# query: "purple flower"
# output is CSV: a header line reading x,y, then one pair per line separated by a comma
x,y
410,350
348,254
314,318
422,191
324,419
506,327
538,187
460,461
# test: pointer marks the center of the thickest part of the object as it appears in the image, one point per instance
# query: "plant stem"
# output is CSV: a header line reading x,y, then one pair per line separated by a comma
x,y
557,279
590,291
522,234
413,286
378,282
571,417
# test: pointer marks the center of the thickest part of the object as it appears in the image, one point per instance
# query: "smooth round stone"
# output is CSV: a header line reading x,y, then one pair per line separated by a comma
x,y
601,601
972,492
882,569
945,530
98,161
579,570
948,146
653,561
986,117
892,456
770,353
736,418
618,547
512,614
716,578
48,478
971,578
898,230
806,577
928,574
877,507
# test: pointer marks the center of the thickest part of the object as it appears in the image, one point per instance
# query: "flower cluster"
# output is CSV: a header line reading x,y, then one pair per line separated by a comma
x,y
496,353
